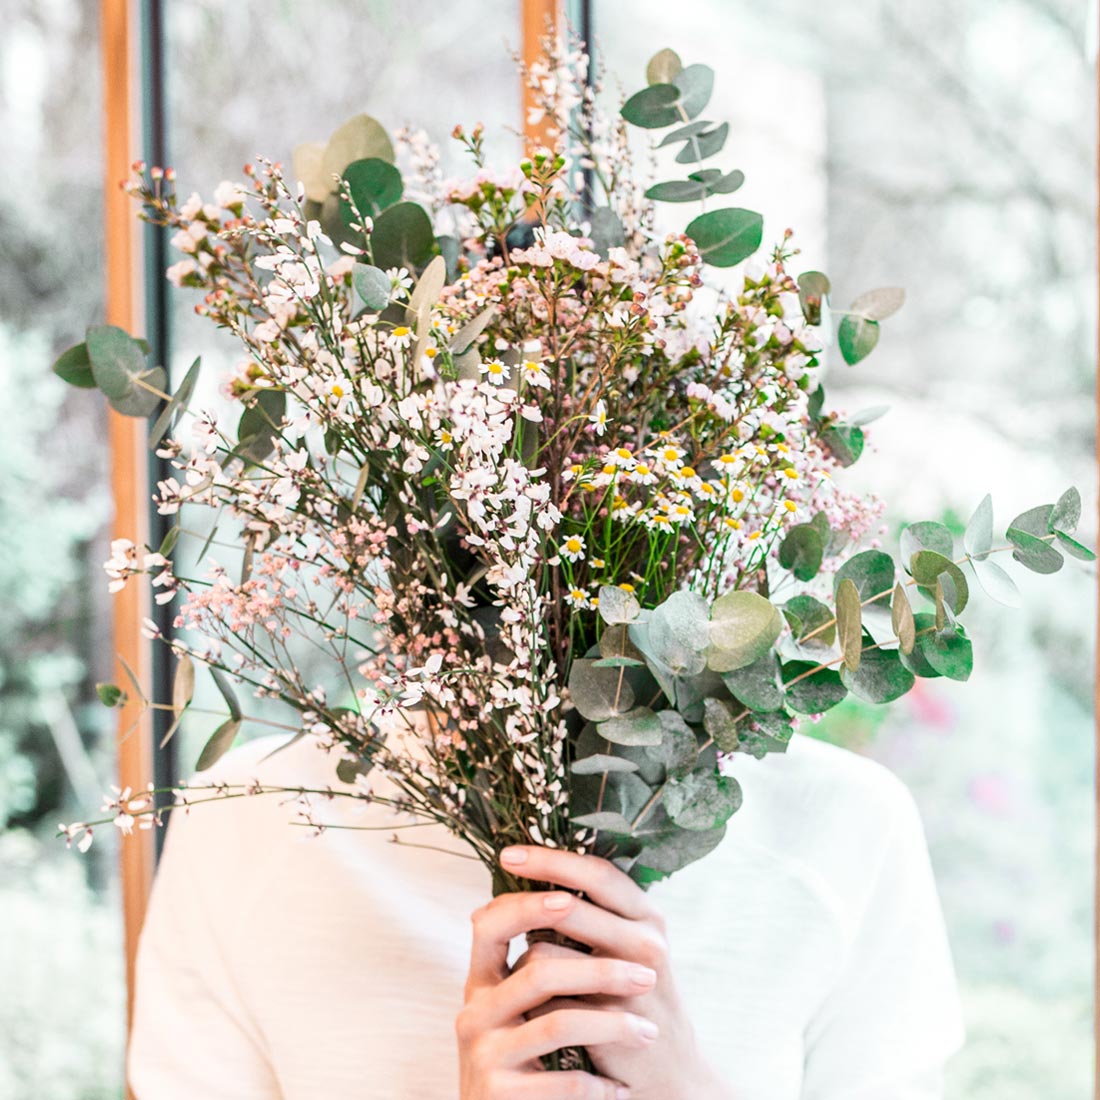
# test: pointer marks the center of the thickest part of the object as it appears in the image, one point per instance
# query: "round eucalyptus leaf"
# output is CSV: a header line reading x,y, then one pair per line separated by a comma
x,y
915,660
678,191
978,538
949,652
685,133
926,535
145,396
743,627
880,678
703,145
725,185
116,360
375,184
757,686
845,441
857,337
599,693
676,633
872,572
675,850
260,424
813,288
605,230
702,800
637,727
810,689
307,167
695,84
726,237
359,138
877,305
1067,512
110,695
663,67
802,551
600,763
617,605
1074,548
927,566
678,750
814,617
720,725
996,583
652,108
372,285
849,615
605,821
1033,552
402,237
74,366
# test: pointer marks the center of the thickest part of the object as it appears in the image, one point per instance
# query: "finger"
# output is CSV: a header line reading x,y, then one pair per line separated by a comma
x,y
604,1004
504,918
577,1027
544,979
555,1086
599,879
543,949
608,934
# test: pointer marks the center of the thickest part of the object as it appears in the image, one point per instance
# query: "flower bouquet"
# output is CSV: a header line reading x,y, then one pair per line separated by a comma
x,y
562,517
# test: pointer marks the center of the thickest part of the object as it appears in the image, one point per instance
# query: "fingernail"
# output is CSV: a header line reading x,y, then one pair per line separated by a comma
x,y
557,901
513,856
647,1029
642,975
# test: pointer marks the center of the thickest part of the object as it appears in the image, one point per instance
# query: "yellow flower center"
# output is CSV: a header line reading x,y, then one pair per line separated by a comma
x,y
401,331
573,545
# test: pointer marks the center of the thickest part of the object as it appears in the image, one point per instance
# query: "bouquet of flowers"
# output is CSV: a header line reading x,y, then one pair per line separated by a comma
x,y
563,517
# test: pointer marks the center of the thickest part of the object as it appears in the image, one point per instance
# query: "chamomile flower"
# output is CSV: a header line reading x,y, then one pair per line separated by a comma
x,y
534,374
790,506
400,338
577,598
496,371
444,439
643,474
598,419
572,548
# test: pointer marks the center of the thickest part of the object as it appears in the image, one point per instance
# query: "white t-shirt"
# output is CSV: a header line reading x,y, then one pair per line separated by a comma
x,y
809,947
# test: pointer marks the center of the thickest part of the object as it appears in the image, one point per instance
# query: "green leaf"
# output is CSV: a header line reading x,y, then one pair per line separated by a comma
x,y
685,133
857,337
868,416
638,727
849,620
703,145
926,535
926,567
177,404
695,85
815,693
599,763
372,285
873,573
74,366
880,678
811,614
813,288
119,370
402,237
675,849
676,633
605,230
470,331
360,138
698,185
720,725
1031,548
845,441
726,237
221,682
219,744
350,768
757,686
877,305
702,800
306,165
1074,548
996,583
183,691
111,695
374,185
802,551
652,108
259,425
599,693
617,606
901,619
978,539
916,661
604,821
616,648
679,750
949,652
663,67
1066,513
743,627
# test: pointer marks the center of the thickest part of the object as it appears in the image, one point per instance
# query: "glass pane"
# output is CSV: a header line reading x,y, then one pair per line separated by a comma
x,y
950,148
62,1013
419,65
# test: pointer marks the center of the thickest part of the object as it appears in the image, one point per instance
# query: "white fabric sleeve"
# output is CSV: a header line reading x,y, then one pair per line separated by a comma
x,y
893,1016
191,1034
